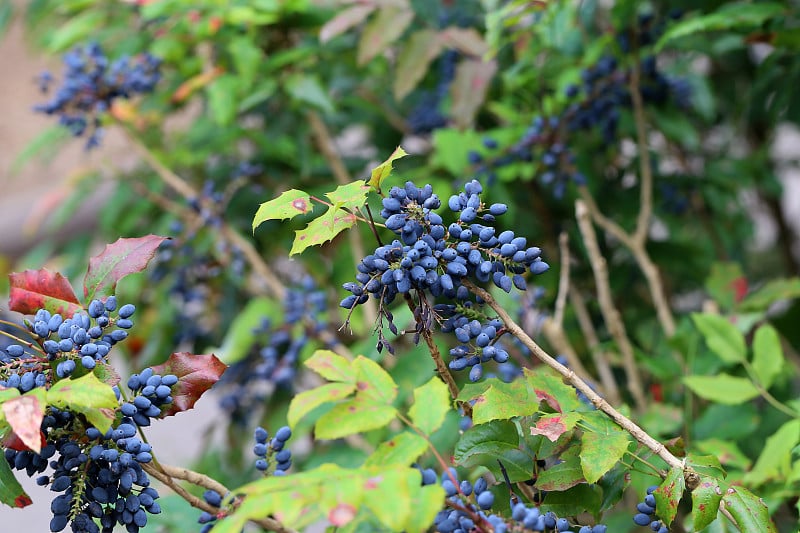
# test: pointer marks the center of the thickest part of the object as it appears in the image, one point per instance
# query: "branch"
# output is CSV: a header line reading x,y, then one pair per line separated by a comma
x,y
611,315
563,280
645,170
621,420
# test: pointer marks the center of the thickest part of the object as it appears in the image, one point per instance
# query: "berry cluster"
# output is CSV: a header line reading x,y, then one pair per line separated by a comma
x,y
427,115
90,85
647,511
214,499
272,451
150,392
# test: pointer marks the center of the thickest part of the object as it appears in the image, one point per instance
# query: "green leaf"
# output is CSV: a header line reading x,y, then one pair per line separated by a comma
x,y
373,383
601,451
306,401
705,502
722,282
332,366
431,405
11,492
484,444
223,98
502,401
708,465
353,417
289,204
246,57
86,395
773,291
425,504
241,335
401,450
75,30
722,388
564,475
669,494
748,510
322,229
380,32
722,337
307,89
549,387
775,460
732,16
554,425
727,452
767,355
350,196
382,171
422,47
574,501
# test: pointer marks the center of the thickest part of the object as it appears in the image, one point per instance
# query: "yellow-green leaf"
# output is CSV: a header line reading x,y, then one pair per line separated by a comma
x,y
722,388
382,171
288,205
431,404
331,366
401,450
353,417
767,355
373,384
306,401
601,451
86,395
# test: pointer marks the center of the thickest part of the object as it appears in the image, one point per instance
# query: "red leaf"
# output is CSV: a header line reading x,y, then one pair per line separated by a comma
x,y
549,399
552,428
13,442
24,414
125,256
41,289
196,374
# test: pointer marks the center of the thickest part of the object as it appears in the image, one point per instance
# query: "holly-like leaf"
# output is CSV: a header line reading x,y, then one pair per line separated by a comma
x,y
382,31
196,374
550,388
472,80
722,337
707,465
332,366
705,502
484,444
373,383
601,451
431,404
353,417
117,260
350,196
748,510
574,501
422,47
11,492
555,425
669,494
722,388
775,460
289,204
344,20
382,171
767,355
24,414
32,290
306,401
501,401
564,475
86,395
322,229
401,450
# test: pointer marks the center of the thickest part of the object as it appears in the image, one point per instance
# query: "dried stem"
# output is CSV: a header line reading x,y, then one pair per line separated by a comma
x,y
621,420
598,355
563,280
645,169
326,146
611,315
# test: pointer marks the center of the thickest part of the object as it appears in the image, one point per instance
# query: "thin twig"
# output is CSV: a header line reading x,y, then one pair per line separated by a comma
x,y
611,315
645,170
563,280
621,420
601,362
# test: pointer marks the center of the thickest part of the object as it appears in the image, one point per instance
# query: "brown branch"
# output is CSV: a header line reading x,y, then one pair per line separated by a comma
x,y
621,420
645,170
610,313
563,280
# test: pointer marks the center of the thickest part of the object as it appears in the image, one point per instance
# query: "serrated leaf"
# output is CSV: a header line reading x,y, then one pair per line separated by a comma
x,y
669,494
24,414
332,366
117,260
469,88
707,465
748,510
382,171
416,56
431,405
289,204
86,395
574,501
722,337
353,417
601,451
350,196
196,374
705,502
306,401
344,20
773,291
733,16
564,475
380,32
484,444
555,425
767,355
722,388
11,492
775,459
32,290
322,229
549,387
373,383
502,401
401,450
